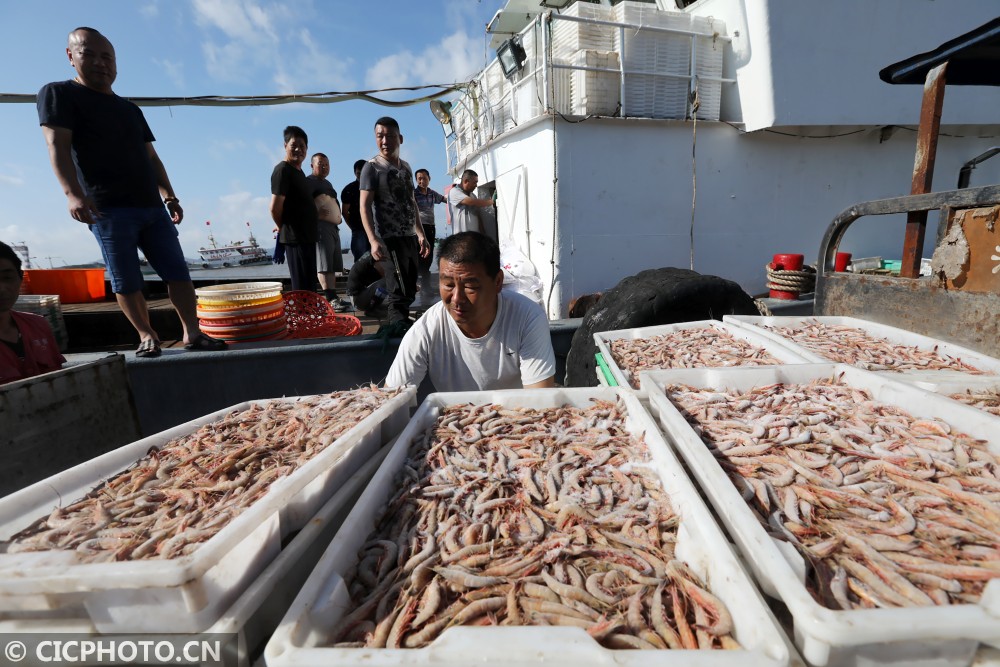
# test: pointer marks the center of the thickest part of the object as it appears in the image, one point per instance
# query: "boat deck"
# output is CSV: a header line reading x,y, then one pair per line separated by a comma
x,y
102,327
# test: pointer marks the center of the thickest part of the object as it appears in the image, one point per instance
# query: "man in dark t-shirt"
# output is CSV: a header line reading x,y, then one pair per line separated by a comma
x,y
350,197
294,212
102,153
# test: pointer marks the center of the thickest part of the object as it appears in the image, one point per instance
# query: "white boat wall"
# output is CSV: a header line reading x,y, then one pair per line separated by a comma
x,y
804,128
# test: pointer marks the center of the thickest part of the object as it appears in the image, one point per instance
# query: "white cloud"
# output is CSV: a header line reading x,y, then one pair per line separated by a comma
x,y
260,42
173,70
455,58
249,37
16,181
150,11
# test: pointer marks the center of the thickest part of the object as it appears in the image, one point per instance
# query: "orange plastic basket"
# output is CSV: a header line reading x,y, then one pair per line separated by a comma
x,y
309,315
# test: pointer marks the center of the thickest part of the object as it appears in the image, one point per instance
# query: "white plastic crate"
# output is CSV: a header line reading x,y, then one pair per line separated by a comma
x,y
259,608
945,636
709,54
185,594
961,385
312,620
568,37
989,365
624,378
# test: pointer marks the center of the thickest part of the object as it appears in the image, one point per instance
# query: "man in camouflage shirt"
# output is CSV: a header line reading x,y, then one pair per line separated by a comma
x,y
389,214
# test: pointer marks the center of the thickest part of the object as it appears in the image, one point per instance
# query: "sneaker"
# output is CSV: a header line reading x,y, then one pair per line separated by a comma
x,y
341,306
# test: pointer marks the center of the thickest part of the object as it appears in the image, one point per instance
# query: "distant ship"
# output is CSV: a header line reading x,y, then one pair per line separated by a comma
x,y
237,253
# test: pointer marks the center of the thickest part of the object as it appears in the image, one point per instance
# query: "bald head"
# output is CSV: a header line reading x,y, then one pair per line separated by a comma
x,y
93,57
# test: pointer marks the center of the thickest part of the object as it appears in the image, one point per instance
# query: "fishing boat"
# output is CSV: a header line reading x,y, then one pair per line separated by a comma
x,y
237,253
705,134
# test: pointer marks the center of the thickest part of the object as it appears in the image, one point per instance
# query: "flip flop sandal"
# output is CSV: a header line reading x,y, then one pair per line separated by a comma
x,y
204,343
147,349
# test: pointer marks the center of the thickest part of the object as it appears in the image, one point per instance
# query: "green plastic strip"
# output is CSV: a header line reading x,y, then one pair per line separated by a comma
x,y
603,365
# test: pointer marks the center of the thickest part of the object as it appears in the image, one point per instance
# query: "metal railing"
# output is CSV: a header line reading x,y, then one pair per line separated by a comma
x,y
494,105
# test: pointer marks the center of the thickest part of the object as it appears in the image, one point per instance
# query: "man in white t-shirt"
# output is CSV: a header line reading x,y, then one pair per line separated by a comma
x,y
476,337
465,207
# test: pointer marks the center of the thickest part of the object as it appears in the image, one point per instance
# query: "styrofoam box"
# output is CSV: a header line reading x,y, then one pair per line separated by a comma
x,y
989,365
312,620
938,636
259,608
184,594
603,341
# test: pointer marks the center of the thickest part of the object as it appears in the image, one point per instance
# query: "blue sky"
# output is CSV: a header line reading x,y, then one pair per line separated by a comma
x,y
220,159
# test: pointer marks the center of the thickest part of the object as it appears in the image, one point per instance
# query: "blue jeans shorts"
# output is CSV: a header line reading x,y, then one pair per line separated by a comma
x,y
121,230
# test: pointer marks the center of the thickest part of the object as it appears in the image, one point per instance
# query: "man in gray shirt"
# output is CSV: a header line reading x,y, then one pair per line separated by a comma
x,y
465,207
389,215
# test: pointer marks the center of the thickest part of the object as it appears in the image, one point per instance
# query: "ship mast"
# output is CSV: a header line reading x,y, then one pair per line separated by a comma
x,y
211,238
22,249
253,241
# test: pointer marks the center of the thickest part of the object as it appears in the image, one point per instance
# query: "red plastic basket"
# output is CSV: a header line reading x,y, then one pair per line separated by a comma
x,y
309,315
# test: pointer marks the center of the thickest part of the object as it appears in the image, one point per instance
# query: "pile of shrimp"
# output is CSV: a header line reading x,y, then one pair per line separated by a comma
x,y
686,348
888,509
506,516
182,494
850,345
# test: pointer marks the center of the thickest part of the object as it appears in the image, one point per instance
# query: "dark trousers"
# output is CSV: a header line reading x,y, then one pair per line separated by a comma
x,y
427,262
301,260
404,255
359,244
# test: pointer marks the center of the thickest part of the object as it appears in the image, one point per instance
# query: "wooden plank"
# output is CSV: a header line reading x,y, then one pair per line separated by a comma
x,y
923,167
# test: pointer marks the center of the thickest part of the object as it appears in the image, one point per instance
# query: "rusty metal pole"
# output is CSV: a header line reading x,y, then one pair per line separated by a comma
x,y
923,168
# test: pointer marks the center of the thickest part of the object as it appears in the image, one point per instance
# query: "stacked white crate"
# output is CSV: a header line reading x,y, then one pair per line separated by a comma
x,y
49,307
595,93
494,90
662,61
569,39
708,63
651,92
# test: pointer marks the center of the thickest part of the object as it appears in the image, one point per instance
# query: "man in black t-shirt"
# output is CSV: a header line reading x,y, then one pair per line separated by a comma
x,y
294,212
350,197
102,153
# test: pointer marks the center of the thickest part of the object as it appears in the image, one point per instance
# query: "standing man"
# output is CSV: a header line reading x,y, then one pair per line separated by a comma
x,y
426,199
477,337
464,213
389,214
294,212
329,258
102,153
350,195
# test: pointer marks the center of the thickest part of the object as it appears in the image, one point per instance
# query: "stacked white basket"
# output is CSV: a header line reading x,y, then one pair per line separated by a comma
x,y
708,63
595,93
568,37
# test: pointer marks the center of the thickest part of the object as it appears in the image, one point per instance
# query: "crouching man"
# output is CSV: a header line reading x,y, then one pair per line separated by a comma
x,y
476,337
